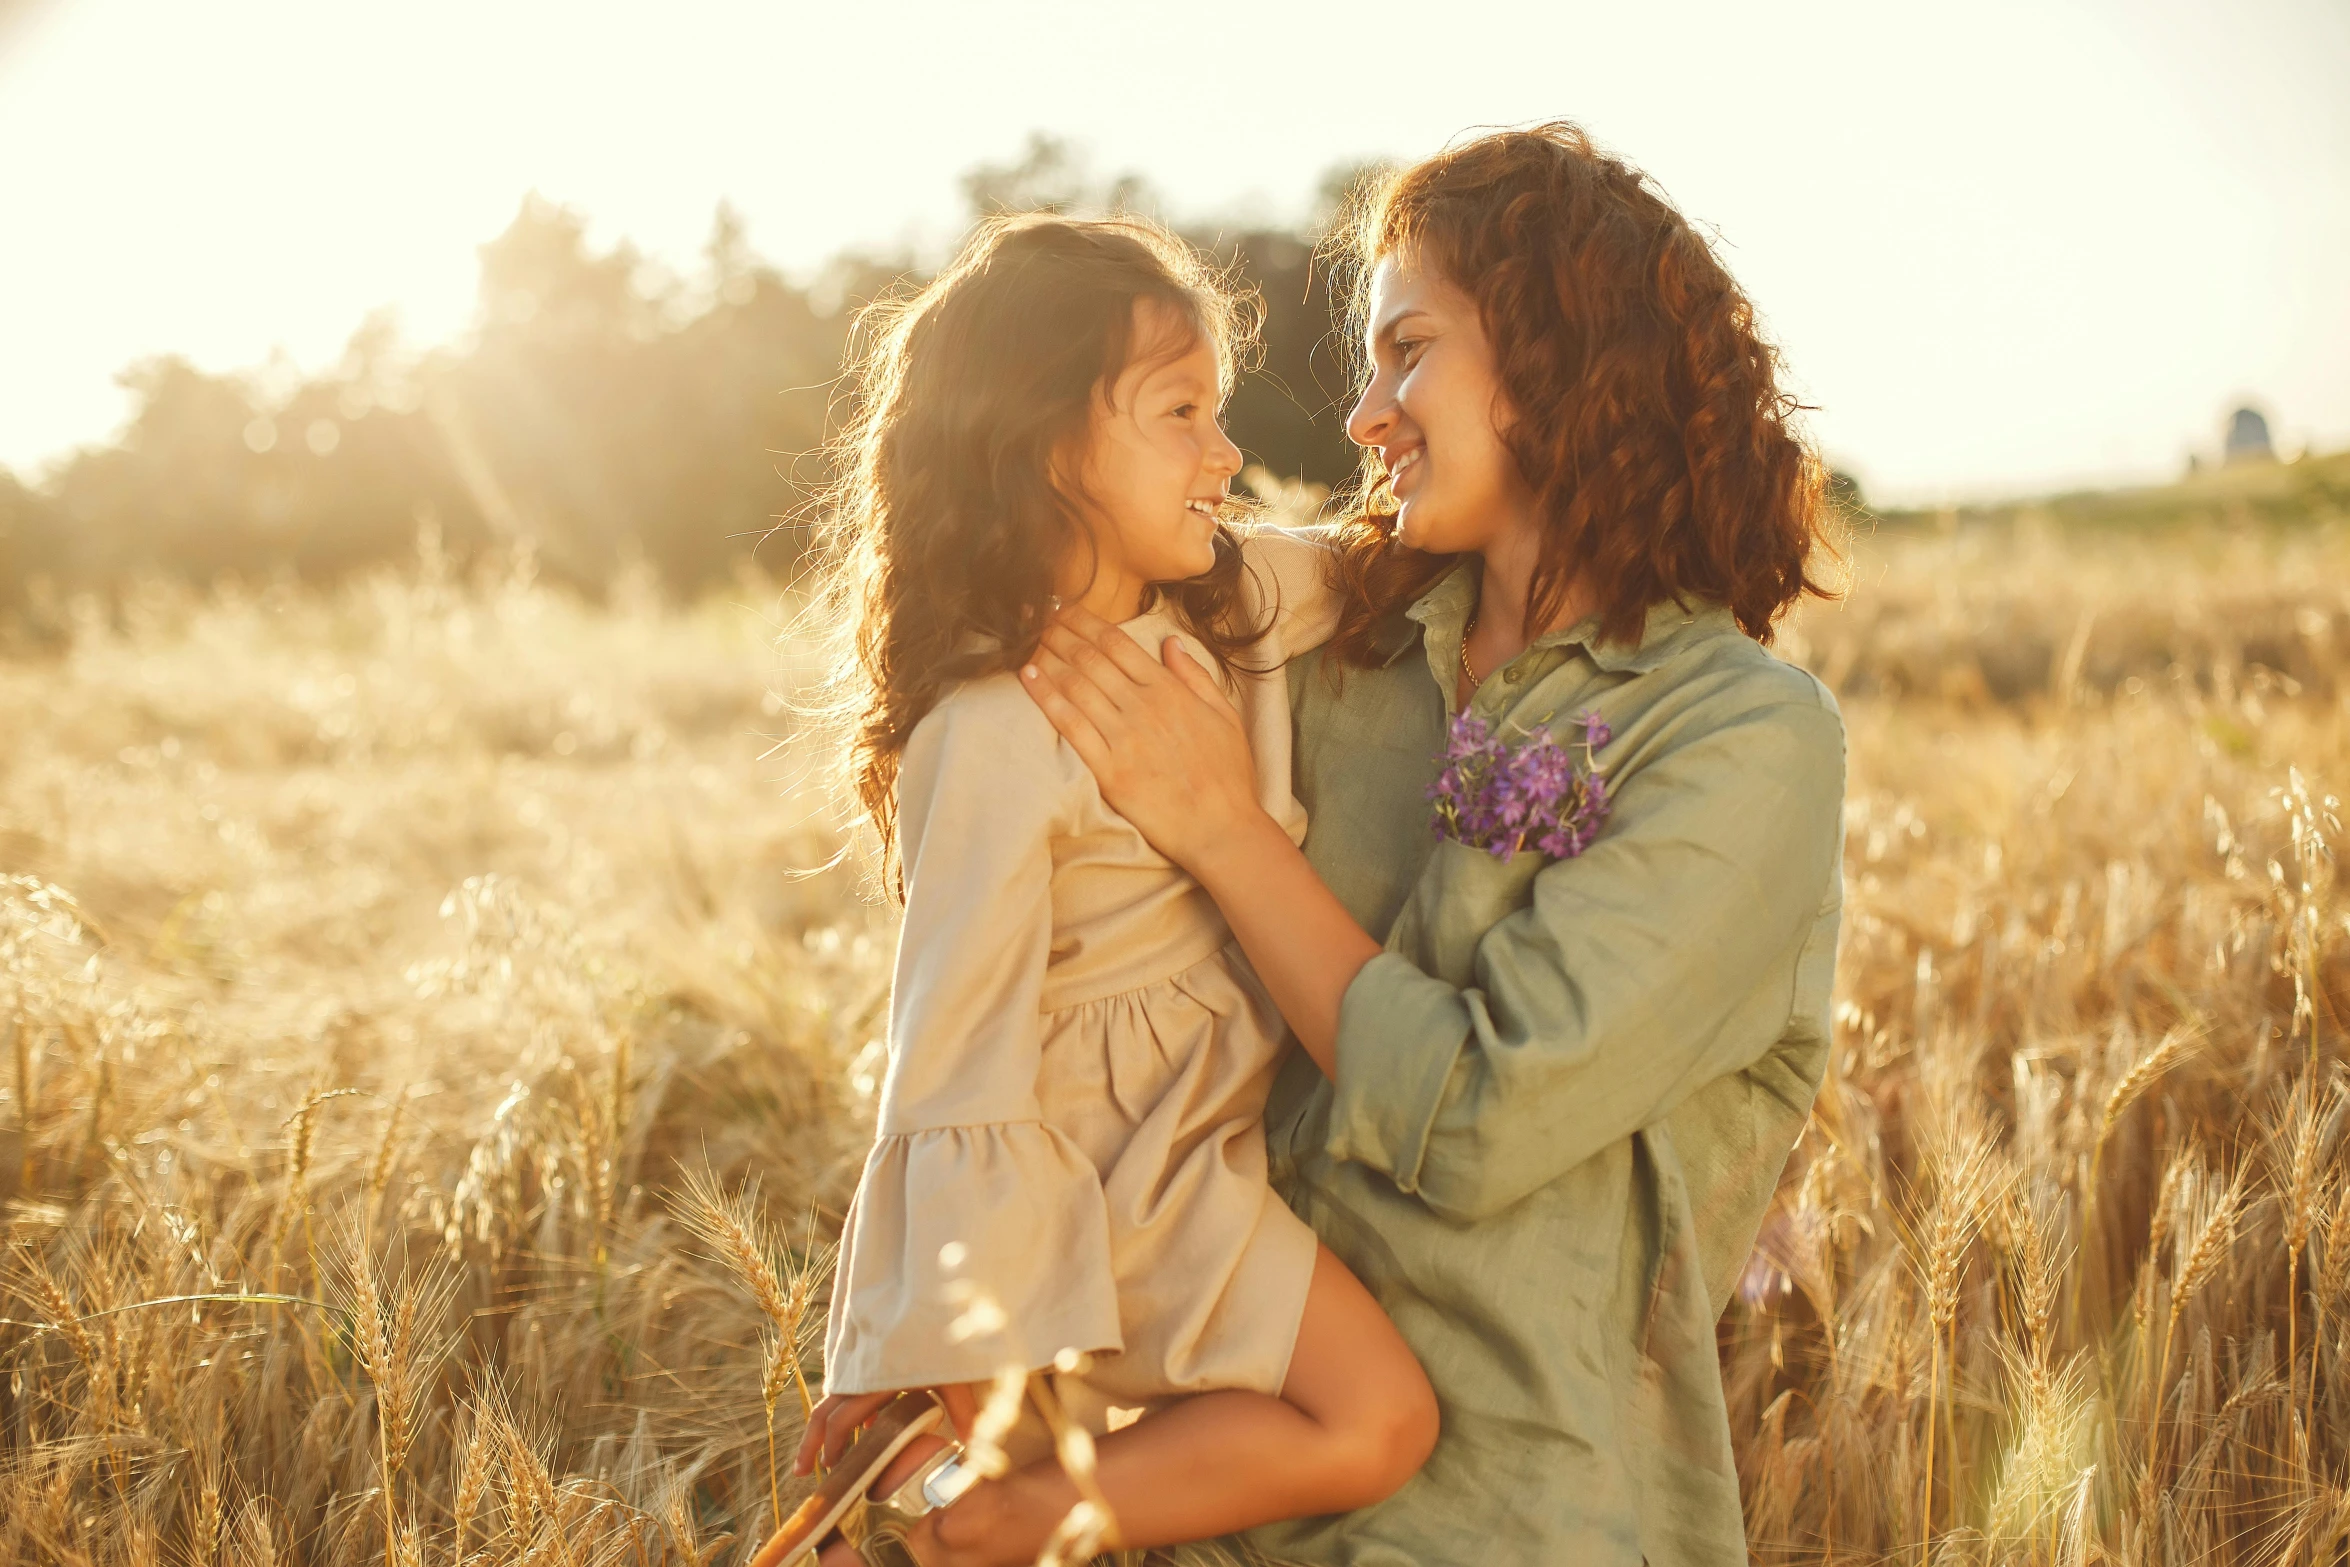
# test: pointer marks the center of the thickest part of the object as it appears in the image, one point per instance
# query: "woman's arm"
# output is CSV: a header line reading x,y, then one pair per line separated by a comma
x,y
1170,755
1636,973
1665,957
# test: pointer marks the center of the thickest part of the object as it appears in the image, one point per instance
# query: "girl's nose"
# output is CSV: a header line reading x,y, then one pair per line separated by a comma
x,y
1223,457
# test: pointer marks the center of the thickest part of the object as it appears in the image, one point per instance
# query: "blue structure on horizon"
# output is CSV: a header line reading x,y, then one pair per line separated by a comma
x,y
2247,439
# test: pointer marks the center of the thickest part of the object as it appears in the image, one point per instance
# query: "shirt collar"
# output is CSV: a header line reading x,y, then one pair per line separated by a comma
x,y
1443,613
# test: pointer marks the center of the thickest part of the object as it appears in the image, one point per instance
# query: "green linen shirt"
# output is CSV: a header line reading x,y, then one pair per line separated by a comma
x,y
1567,1088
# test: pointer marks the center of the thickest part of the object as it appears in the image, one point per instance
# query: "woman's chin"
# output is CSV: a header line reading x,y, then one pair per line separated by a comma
x,y
1412,529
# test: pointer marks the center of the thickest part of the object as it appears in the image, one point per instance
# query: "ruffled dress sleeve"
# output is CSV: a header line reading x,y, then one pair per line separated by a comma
x,y
979,1236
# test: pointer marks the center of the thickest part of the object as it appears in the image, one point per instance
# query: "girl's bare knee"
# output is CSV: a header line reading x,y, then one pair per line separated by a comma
x,y
1407,1437
1385,1444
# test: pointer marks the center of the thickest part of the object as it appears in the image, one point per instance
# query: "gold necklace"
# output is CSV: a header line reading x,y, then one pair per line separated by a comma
x,y
1467,632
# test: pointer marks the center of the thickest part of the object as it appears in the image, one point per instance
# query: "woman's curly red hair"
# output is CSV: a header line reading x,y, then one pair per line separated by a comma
x,y
1646,414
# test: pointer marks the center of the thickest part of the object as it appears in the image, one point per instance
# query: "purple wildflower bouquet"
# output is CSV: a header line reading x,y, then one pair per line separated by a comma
x,y
1503,797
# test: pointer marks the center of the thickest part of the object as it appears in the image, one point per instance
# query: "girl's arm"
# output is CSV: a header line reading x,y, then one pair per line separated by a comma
x,y
1170,754
972,1208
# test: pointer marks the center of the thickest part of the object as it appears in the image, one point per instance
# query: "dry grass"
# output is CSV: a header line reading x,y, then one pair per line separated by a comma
x,y
405,988
2056,1273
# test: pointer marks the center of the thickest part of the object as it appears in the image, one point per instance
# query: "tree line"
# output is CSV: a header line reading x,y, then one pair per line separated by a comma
x,y
600,412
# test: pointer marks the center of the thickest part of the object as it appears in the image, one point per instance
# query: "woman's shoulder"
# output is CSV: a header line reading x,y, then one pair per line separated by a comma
x,y
1725,705
1742,675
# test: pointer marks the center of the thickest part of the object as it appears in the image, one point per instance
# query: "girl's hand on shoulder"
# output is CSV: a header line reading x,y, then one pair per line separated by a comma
x,y
1163,742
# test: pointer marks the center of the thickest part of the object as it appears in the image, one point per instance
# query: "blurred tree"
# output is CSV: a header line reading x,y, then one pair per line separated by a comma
x,y
601,409
1288,414
25,530
1052,175
597,417
1844,493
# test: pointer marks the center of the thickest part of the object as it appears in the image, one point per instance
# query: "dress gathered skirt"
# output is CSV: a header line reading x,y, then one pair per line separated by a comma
x,y
1070,1155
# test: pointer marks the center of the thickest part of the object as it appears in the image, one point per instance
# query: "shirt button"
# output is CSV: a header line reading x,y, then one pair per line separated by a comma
x,y
1510,675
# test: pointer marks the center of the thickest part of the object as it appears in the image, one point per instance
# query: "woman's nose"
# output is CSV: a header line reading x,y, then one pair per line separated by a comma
x,y
1373,417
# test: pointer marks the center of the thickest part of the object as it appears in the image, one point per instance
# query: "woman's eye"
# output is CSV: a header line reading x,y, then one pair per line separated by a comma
x,y
1408,349
1186,410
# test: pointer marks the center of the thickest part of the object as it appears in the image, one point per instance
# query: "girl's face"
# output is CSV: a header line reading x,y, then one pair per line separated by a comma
x,y
1155,471
1434,410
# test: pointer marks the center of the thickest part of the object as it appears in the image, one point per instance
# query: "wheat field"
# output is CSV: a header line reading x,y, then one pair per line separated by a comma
x,y
440,1038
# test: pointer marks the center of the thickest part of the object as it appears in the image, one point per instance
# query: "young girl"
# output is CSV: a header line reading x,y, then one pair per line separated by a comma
x,y
1069,1176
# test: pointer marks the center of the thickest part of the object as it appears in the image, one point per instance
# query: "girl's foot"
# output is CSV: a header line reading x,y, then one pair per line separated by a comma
x,y
902,1424
999,1523
907,1465
838,1552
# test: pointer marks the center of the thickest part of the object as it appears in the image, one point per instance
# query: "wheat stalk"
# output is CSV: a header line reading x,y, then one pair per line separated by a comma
x,y
605,1174
2204,1248
20,1036
387,1156
733,1227
58,1307
2330,1279
2141,1075
2307,1134
390,1339
256,1535
531,1498
209,1518
472,1478
1964,1180
372,1344
301,1140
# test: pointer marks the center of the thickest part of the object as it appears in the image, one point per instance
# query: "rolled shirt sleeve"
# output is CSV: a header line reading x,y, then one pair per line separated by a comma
x,y
1630,976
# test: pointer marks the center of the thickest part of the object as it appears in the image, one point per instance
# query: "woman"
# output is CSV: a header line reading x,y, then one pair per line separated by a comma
x,y
1542,1103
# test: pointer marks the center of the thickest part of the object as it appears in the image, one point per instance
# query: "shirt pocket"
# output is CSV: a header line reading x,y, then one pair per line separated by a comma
x,y
1462,893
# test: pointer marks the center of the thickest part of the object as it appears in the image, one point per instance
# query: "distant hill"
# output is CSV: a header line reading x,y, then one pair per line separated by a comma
x,y
2311,487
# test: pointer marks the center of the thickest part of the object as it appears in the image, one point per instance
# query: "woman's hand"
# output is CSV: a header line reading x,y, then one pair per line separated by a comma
x,y
1162,740
1171,757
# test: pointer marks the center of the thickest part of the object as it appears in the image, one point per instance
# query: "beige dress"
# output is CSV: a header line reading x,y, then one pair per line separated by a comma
x,y
1070,1154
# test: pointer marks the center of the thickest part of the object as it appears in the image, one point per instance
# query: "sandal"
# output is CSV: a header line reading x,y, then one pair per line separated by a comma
x,y
901,1421
942,1478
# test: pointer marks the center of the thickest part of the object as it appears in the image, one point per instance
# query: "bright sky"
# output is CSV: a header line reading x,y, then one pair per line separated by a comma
x,y
2005,246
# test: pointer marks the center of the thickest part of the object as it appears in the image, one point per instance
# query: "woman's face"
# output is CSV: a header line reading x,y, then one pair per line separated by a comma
x,y
1433,411
1158,463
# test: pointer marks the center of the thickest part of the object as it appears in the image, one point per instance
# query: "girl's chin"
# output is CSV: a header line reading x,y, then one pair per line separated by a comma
x,y
1185,570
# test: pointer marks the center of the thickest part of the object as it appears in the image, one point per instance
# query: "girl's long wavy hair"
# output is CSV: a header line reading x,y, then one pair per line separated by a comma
x,y
1644,406
957,496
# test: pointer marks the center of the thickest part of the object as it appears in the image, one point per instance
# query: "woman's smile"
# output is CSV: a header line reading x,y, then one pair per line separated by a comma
x,y
1406,464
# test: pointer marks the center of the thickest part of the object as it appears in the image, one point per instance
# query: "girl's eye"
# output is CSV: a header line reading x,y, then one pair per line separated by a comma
x,y
1186,410
1407,349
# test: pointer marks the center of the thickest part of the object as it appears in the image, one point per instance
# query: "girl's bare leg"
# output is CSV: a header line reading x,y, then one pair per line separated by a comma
x,y
1355,1420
